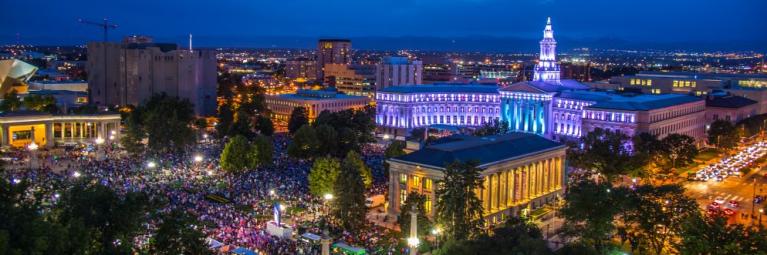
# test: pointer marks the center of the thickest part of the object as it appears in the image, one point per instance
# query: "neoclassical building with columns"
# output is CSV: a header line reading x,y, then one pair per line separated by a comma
x,y
519,170
19,129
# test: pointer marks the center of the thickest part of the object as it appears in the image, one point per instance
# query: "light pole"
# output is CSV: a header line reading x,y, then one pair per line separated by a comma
x,y
99,152
436,232
761,211
32,155
413,241
753,203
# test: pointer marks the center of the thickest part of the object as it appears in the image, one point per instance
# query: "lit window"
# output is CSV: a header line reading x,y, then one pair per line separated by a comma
x,y
403,178
427,184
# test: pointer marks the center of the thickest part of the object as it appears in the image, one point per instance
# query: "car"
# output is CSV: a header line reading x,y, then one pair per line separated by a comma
x,y
733,204
719,200
758,199
713,205
728,211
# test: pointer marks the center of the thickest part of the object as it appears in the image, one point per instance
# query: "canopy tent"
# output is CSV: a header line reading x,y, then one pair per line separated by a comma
x,y
243,251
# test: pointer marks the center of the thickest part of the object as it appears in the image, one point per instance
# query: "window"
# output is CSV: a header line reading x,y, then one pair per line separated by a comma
x,y
427,205
427,184
402,197
416,182
403,178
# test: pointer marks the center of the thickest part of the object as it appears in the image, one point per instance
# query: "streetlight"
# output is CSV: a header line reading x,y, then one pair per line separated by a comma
x,y
151,164
328,197
198,158
32,155
413,242
99,153
271,192
761,211
76,174
436,231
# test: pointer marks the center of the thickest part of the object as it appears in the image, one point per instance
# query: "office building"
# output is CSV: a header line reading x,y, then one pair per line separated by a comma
x,y
518,171
332,51
395,71
301,68
315,101
19,129
723,106
131,72
352,79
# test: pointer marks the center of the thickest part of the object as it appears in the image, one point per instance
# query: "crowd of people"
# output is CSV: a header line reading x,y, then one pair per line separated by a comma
x,y
187,185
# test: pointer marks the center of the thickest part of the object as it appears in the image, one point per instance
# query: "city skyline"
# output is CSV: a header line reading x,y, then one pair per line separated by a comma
x,y
423,24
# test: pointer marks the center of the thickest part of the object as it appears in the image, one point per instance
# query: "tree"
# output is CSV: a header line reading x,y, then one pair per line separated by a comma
x,y
242,125
492,128
328,140
516,236
264,125
99,221
458,208
40,103
305,143
225,119
23,229
349,189
679,149
11,102
323,175
179,233
659,214
592,227
417,201
167,123
605,151
702,235
298,118
355,160
235,156
722,134
395,149
265,150
134,135
647,150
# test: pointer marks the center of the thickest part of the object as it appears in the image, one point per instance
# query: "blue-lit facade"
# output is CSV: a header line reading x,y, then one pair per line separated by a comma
x,y
402,108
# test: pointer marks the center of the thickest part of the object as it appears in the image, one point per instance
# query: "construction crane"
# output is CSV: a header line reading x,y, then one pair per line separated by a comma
x,y
106,25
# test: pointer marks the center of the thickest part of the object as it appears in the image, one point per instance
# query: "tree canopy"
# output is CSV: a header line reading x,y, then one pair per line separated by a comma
x,y
323,175
458,208
298,118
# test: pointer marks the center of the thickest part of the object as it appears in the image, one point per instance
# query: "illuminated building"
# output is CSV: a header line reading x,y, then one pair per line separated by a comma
x,y
18,129
518,171
315,101
332,51
304,68
395,71
132,72
402,108
352,79
547,69
729,107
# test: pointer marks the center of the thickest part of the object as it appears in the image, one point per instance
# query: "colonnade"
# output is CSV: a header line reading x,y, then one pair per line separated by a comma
x,y
509,188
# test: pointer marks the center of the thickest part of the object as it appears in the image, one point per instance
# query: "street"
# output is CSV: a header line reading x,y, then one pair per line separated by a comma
x,y
738,189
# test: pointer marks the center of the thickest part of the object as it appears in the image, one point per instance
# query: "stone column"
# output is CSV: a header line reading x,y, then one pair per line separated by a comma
x,y
393,192
504,189
49,134
4,134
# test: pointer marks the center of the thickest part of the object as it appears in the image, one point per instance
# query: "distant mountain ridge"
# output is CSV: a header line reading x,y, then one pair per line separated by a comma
x,y
462,43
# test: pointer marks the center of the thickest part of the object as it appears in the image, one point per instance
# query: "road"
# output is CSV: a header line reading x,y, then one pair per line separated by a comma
x,y
739,189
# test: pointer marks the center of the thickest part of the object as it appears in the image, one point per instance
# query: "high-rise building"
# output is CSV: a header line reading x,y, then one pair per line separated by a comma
x,y
547,69
354,79
304,68
395,71
332,51
129,73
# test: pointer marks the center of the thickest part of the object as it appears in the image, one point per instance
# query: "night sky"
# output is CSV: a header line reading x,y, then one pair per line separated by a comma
x,y
246,22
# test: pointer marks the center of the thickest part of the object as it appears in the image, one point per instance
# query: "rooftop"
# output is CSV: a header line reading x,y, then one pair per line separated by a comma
x,y
318,95
442,88
642,102
486,150
728,101
546,86
707,76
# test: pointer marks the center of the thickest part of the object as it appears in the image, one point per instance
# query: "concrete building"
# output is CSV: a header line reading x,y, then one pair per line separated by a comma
x,y
519,171
395,71
14,75
301,68
131,72
332,51
315,101
352,79
658,115
730,108
68,85
19,129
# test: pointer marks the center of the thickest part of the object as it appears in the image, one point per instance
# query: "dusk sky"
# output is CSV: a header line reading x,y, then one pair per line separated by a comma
x,y
665,21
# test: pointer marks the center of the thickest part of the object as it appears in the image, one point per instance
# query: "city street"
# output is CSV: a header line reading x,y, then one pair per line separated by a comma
x,y
738,189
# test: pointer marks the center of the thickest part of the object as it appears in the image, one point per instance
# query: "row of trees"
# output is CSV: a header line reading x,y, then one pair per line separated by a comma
x,y
90,219
12,102
613,153
244,111
652,220
331,134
